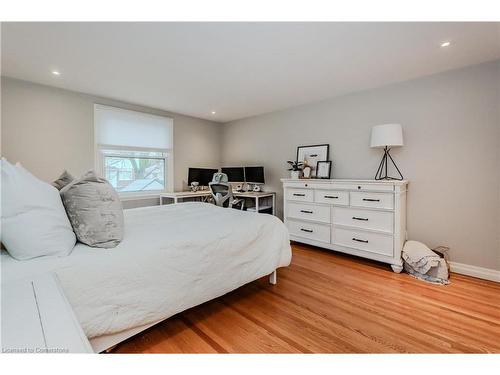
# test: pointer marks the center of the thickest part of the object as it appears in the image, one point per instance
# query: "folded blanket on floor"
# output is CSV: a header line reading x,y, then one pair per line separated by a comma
x,y
419,256
423,263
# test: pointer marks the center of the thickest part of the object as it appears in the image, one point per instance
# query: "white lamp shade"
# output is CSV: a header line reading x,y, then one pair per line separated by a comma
x,y
387,135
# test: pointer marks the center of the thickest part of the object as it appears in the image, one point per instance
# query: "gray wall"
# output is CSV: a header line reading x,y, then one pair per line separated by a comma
x,y
451,155
49,129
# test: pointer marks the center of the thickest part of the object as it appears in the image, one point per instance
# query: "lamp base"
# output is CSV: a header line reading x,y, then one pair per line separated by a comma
x,y
382,168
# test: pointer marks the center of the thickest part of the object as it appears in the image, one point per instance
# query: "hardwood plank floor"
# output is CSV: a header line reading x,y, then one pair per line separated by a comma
x,y
326,302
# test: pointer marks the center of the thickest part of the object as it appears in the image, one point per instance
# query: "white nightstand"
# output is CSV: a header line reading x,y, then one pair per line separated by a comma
x,y
37,318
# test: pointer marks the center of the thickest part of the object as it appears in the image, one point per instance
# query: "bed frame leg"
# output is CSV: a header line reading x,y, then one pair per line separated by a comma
x,y
273,278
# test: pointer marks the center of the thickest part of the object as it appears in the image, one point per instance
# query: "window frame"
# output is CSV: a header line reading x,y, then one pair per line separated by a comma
x,y
102,150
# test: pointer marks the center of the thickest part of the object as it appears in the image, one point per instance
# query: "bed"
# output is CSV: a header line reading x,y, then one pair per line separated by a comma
x,y
172,258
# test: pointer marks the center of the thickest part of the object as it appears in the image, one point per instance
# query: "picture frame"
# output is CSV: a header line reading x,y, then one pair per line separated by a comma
x,y
312,154
324,169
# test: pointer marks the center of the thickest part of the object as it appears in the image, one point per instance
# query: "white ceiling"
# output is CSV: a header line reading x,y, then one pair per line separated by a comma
x,y
237,69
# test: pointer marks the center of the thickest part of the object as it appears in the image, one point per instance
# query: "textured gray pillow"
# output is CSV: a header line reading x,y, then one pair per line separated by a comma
x,y
94,210
64,179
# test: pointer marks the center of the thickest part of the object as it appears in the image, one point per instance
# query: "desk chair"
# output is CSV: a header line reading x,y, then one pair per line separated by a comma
x,y
223,195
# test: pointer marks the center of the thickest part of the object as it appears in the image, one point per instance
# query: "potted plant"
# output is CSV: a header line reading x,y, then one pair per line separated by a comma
x,y
295,168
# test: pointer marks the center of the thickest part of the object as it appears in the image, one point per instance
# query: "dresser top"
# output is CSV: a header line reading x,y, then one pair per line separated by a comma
x,y
346,181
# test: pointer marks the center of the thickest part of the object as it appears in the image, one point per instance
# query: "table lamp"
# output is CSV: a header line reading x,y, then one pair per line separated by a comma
x,y
387,136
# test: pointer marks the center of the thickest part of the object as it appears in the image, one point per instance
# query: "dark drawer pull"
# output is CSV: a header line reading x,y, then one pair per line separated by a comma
x,y
298,195
306,230
306,212
356,239
331,197
371,200
360,218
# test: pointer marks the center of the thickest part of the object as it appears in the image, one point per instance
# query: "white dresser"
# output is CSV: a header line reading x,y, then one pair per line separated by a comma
x,y
366,218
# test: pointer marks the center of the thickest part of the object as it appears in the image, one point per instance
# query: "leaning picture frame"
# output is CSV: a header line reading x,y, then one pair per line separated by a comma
x,y
324,169
312,154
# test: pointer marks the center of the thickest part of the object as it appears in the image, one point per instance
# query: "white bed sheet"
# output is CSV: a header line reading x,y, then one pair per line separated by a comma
x,y
171,258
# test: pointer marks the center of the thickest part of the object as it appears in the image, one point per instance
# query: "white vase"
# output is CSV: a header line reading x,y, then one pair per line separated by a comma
x,y
306,172
294,175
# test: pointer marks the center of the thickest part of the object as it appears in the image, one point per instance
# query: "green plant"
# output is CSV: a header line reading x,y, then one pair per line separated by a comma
x,y
295,165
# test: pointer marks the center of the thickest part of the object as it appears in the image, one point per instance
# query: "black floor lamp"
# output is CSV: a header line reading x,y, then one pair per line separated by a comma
x,y
387,136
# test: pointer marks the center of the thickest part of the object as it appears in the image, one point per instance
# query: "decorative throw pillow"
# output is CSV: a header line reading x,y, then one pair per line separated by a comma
x,y
95,210
64,179
34,222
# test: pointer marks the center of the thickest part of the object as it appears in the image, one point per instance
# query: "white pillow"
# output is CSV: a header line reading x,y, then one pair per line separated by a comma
x,y
34,221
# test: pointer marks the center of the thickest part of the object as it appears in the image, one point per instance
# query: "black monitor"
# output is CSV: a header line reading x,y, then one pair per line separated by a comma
x,y
254,175
201,175
234,174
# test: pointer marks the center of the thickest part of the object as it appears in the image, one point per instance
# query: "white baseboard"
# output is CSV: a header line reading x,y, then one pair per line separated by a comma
x,y
480,272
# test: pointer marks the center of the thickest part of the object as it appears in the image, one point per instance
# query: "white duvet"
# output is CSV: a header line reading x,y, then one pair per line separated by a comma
x,y
172,258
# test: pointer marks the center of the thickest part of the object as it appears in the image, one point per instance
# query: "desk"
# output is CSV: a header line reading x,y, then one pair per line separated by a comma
x,y
257,196
181,195
205,196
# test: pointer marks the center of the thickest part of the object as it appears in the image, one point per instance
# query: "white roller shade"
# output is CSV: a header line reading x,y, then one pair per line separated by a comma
x,y
122,128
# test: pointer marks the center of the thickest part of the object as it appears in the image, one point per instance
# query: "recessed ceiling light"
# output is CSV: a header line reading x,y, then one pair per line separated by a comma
x,y
56,73
446,44
213,112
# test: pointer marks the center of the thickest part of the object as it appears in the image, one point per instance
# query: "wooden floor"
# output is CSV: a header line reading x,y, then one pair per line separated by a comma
x,y
331,303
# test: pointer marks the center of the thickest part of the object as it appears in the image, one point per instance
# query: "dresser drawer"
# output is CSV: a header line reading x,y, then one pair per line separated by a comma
x,y
307,184
367,241
363,186
364,219
332,197
306,211
372,200
301,195
312,231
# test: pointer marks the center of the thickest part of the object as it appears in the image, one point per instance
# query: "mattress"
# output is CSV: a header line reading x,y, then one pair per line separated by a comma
x,y
172,258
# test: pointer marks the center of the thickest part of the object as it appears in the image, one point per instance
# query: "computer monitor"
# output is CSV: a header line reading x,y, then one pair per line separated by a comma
x,y
234,174
201,175
254,175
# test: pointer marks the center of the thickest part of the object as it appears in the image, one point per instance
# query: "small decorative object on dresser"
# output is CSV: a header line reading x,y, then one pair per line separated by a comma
x,y
323,169
312,154
387,136
295,169
307,170
366,218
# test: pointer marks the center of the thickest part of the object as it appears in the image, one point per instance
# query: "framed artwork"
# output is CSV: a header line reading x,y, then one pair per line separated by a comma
x,y
312,154
323,169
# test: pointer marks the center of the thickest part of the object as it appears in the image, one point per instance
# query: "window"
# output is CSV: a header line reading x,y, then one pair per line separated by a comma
x,y
129,173
134,150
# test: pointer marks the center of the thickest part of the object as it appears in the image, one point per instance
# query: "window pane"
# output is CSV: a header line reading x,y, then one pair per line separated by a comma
x,y
135,173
